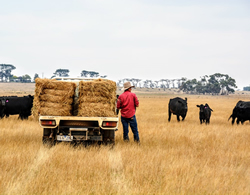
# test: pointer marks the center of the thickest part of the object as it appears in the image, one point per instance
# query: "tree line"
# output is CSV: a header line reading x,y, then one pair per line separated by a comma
x,y
84,73
209,84
6,76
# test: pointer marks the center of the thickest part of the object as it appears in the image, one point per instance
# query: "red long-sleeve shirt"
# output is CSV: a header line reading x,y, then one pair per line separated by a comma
x,y
127,102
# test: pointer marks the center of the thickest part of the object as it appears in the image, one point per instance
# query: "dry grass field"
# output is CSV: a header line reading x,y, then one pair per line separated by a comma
x,y
173,158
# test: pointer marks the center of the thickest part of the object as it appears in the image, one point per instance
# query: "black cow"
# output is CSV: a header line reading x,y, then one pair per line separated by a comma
x,y
2,104
243,115
241,112
16,105
205,113
178,107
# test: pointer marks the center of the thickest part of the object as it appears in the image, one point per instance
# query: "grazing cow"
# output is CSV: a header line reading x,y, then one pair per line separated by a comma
x,y
16,105
205,113
178,107
241,112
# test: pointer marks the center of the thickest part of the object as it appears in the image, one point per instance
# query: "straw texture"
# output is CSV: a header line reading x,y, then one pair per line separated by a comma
x,y
97,98
53,97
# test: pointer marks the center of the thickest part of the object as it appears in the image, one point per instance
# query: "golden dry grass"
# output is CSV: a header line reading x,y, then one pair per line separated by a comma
x,y
173,158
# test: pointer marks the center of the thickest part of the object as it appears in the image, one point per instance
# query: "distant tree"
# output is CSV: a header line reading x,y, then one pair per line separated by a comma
x,y
120,83
165,83
26,78
36,76
173,82
151,84
20,79
213,84
199,88
14,78
84,73
189,86
168,83
137,81
178,83
93,74
147,83
61,73
162,86
134,82
218,81
192,85
182,82
228,83
204,80
5,72
156,82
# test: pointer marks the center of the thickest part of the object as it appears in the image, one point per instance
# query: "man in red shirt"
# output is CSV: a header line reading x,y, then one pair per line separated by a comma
x,y
128,102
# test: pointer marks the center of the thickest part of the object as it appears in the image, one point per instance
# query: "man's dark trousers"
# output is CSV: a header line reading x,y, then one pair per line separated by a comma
x,y
133,125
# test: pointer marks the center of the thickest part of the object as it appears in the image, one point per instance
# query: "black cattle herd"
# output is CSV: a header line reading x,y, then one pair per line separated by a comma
x,y
13,105
178,107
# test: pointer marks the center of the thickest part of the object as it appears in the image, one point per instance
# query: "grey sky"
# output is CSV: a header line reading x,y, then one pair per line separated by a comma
x,y
143,39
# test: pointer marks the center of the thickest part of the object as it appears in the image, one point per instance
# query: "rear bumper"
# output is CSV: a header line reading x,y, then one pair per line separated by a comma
x,y
80,122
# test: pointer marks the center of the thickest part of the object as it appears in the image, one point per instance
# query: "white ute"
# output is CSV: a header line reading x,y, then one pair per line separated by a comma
x,y
77,129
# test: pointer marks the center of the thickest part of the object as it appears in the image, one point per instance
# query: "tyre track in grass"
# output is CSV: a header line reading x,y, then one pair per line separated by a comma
x,y
118,179
17,186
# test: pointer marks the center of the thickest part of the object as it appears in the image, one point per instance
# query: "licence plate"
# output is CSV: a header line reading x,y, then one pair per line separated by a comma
x,y
64,138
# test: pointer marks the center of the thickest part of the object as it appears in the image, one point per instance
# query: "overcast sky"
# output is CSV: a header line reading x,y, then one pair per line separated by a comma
x,y
144,39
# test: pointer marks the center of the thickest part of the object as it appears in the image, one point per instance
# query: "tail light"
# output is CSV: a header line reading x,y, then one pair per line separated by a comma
x,y
109,124
48,122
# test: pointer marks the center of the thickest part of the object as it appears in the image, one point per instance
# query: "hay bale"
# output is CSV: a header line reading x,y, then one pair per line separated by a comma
x,y
99,87
53,97
56,99
97,98
35,107
55,105
66,93
95,110
53,84
55,112
93,99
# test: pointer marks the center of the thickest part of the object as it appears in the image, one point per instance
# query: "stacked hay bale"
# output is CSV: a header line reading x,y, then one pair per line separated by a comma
x,y
53,98
97,98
